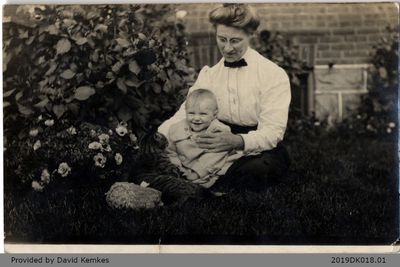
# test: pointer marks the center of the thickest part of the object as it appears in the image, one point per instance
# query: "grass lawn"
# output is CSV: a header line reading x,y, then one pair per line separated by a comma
x,y
338,191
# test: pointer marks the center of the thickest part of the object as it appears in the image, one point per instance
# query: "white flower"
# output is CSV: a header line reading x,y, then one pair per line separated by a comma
x,y
37,186
110,132
107,149
33,132
121,130
99,160
63,169
45,177
317,123
133,138
72,130
93,133
95,145
118,158
392,125
49,122
40,118
181,14
388,130
37,145
104,138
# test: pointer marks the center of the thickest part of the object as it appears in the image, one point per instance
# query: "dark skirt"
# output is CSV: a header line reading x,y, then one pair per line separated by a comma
x,y
255,172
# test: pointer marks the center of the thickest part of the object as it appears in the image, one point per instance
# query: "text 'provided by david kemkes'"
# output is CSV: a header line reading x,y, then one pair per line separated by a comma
x,y
58,259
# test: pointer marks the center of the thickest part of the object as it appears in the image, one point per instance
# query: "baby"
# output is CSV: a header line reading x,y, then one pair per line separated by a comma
x,y
197,164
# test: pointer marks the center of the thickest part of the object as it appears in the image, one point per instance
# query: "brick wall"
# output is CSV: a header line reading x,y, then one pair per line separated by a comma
x,y
326,33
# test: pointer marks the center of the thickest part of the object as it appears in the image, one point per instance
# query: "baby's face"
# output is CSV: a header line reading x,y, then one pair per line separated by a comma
x,y
200,114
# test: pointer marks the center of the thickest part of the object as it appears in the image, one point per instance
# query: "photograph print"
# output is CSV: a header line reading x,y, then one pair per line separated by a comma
x,y
206,124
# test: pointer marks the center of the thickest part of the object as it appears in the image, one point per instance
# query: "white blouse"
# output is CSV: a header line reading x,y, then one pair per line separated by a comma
x,y
257,94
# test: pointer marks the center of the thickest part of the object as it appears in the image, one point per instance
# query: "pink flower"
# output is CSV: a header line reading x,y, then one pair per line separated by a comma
x,y
99,160
121,130
37,145
118,158
34,132
49,123
45,177
37,186
95,145
72,130
64,169
104,138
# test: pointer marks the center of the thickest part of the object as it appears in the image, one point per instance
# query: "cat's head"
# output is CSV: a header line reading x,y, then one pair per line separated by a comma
x,y
153,141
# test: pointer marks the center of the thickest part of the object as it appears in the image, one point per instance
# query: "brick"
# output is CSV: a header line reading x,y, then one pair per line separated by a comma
x,y
356,53
327,17
343,31
331,39
349,23
364,8
323,47
333,24
321,24
370,16
354,60
307,39
337,8
355,38
342,46
368,30
331,54
346,17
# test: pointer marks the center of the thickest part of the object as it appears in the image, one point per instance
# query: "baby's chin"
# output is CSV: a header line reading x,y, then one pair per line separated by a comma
x,y
198,129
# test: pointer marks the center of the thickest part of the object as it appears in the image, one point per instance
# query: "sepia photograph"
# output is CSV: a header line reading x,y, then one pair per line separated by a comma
x,y
201,124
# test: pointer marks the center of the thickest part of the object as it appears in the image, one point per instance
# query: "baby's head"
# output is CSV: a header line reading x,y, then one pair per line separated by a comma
x,y
201,109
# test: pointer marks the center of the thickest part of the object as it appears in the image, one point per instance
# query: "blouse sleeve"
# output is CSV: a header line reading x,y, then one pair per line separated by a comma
x,y
272,119
201,82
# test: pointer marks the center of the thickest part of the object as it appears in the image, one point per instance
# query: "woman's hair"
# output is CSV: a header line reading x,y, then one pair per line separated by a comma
x,y
239,16
200,95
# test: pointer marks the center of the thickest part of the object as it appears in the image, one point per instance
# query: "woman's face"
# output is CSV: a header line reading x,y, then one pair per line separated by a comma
x,y
232,42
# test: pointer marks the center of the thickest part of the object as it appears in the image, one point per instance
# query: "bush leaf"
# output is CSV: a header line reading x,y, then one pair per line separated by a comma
x,y
121,85
42,103
123,42
59,110
8,93
63,46
68,74
134,67
84,92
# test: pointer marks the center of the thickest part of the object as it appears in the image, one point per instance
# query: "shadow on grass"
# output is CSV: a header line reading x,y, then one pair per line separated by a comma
x,y
337,192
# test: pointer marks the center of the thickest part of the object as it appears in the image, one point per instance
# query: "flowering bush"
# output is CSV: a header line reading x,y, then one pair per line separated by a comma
x,y
78,79
377,114
60,151
96,63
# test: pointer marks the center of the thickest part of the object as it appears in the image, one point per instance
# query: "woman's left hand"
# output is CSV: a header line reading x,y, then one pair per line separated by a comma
x,y
218,142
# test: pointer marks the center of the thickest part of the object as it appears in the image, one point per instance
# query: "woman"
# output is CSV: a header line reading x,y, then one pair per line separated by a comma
x,y
253,96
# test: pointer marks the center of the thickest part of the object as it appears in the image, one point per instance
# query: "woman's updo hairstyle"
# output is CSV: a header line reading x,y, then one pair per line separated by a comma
x,y
239,16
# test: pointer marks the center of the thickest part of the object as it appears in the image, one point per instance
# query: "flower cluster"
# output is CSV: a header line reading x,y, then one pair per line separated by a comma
x,y
52,150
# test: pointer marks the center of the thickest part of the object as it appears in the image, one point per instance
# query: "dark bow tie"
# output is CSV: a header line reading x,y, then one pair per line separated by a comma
x,y
235,64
